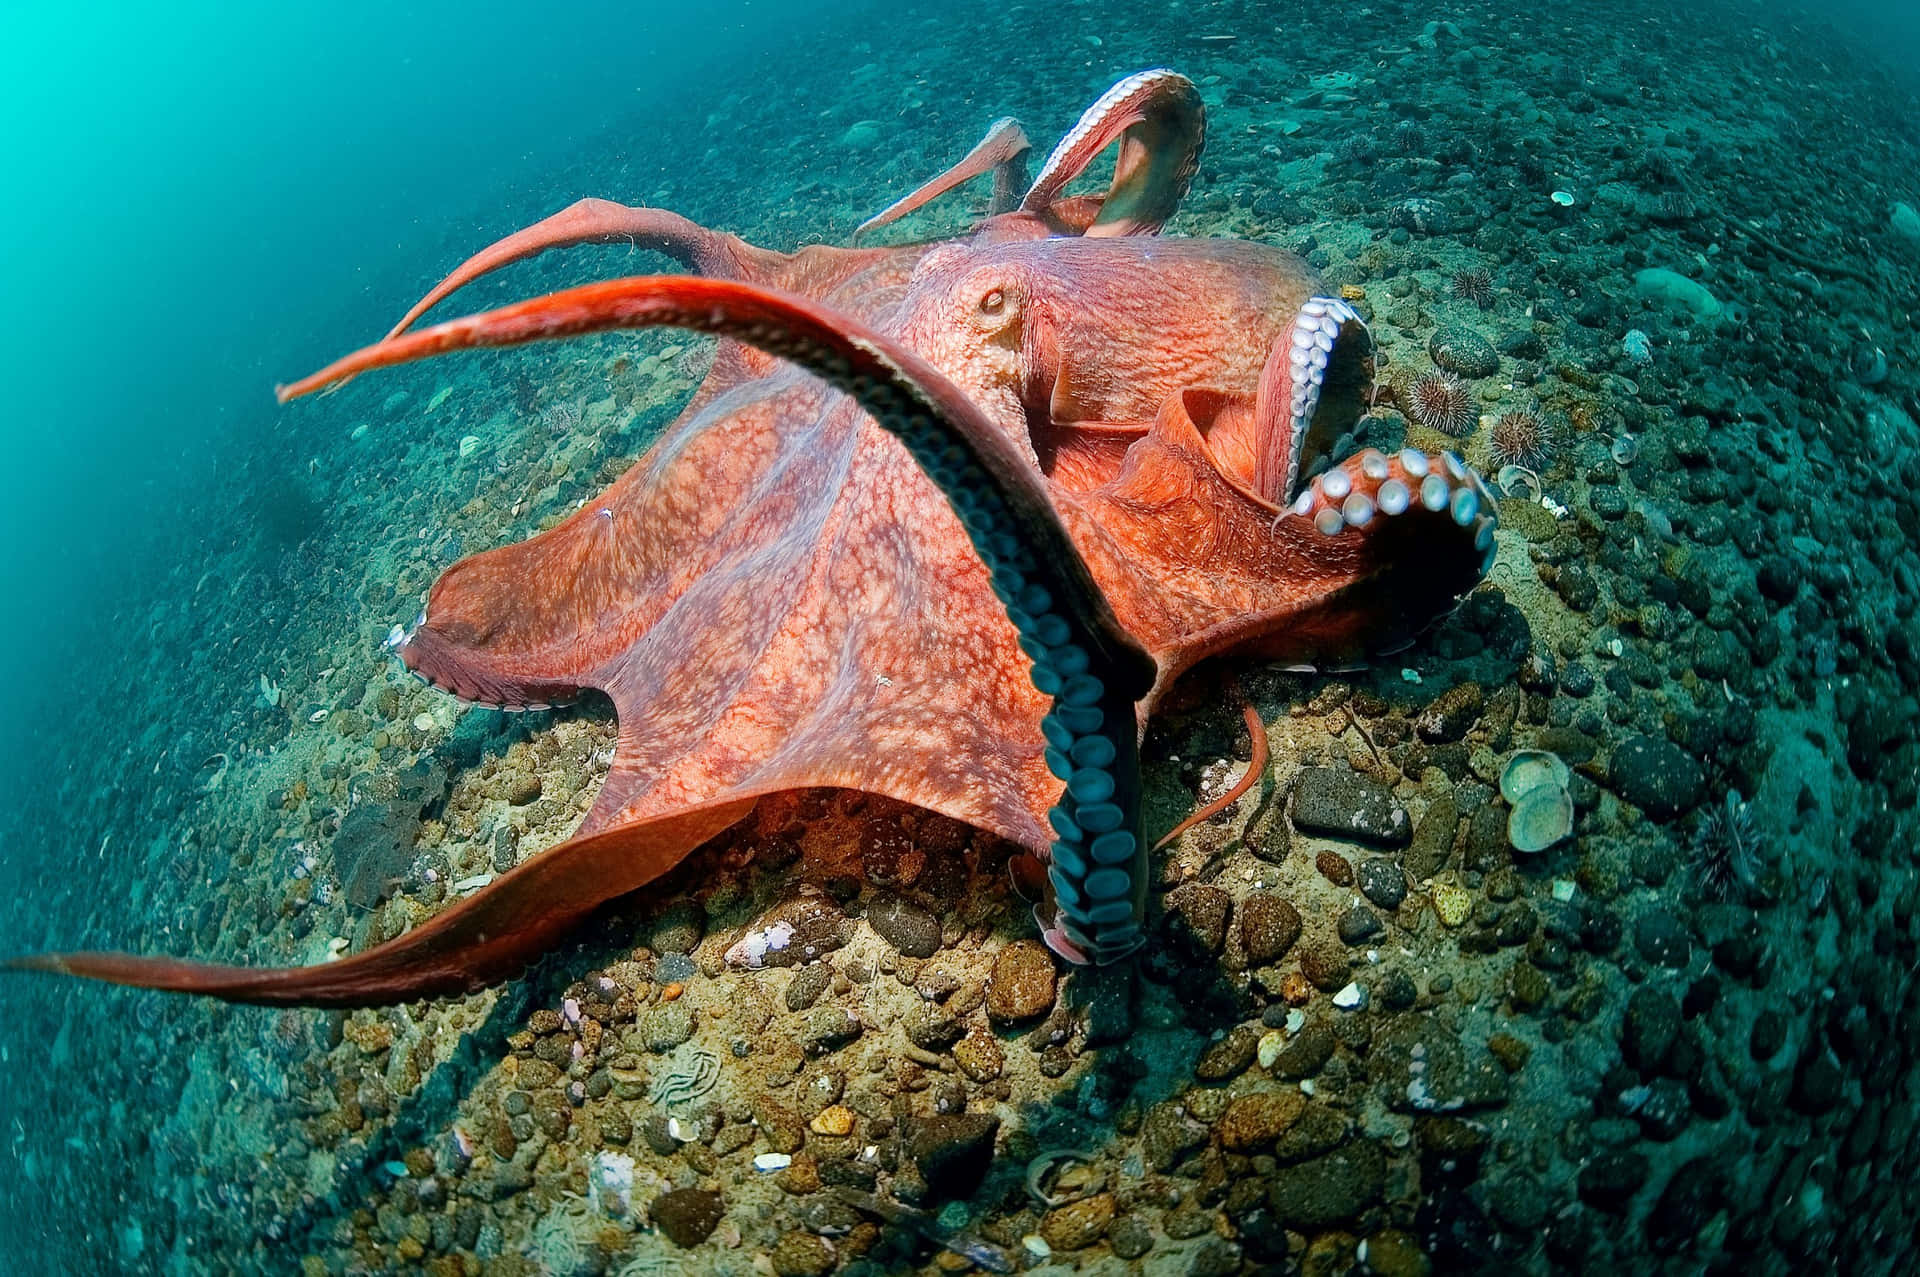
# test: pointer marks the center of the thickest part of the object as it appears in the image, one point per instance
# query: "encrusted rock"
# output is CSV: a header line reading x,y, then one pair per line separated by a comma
x,y
1021,985
799,1254
979,1055
1269,925
1197,914
1382,882
1077,1225
1252,1121
1230,1056
1461,350
1168,1134
667,1025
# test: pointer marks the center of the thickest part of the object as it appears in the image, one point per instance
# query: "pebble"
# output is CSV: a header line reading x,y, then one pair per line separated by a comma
x,y
1382,881
1230,1056
1253,1121
1021,985
1661,939
1336,802
1453,903
1657,776
1306,1054
979,1055
667,1025
1269,926
1648,1029
1359,924
801,1254
1077,1225
1610,1178
911,930
1459,349
688,1216
1168,1133
1451,715
1198,914
952,1152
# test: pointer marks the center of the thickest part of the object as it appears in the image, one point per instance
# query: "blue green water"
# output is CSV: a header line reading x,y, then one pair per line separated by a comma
x,y
1681,1036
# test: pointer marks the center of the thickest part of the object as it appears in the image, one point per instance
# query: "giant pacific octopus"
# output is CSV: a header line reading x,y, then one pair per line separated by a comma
x,y
943,523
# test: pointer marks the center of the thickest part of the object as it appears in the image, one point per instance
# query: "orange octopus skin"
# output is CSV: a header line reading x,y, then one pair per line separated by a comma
x,y
779,596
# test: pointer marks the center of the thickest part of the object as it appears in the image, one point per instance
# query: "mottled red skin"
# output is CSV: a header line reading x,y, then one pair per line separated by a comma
x,y
776,597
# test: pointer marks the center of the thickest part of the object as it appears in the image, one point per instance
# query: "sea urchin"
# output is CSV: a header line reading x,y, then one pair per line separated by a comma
x,y
1441,401
1474,285
1522,437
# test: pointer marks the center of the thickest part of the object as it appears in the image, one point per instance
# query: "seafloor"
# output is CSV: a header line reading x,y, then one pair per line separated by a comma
x,y
1369,1035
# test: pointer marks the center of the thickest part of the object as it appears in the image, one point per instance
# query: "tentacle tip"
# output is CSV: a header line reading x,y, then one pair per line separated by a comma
x,y
36,962
282,392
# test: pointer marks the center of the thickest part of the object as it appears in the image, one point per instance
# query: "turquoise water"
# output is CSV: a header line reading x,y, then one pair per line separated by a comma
x,y
1370,1028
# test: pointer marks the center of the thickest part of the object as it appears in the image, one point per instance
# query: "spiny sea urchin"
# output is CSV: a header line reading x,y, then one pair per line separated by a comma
x,y
1523,437
1441,401
1473,285
1726,851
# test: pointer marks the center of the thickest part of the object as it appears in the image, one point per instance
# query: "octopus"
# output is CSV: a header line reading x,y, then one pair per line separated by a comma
x,y
944,523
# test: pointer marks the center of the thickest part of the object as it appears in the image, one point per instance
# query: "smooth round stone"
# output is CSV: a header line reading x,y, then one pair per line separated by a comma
x,y
1100,818
1059,764
1090,785
1110,911
1082,690
1108,884
1093,751
1070,858
1112,848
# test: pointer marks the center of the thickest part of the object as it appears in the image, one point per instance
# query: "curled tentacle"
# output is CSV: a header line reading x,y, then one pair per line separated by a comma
x,y
1158,119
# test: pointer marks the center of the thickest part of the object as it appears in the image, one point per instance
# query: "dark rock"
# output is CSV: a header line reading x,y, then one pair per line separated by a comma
x,y
906,926
1382,882
1692,1198
1255,1120
1397,991
1768,1035
1661,939
1104,997
1647,1032
1335,868
1331,1189
829,1029
931,1028
1459,349
1818,1081
1657,776
1306,1053
1610,1179
688,1216
1130,1237
1269,925
373,847
1325,965
1337,802
1318,1130
1360,924
952,1153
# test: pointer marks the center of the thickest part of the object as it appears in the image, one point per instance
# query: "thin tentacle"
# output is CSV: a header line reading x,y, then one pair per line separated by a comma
x,y
1256,768
1003,151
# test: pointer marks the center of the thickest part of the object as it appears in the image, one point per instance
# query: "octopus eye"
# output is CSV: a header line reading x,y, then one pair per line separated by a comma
x,y
994,302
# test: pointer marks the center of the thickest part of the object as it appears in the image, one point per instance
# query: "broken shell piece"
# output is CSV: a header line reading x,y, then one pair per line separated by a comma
x,y
768,1162
1540,819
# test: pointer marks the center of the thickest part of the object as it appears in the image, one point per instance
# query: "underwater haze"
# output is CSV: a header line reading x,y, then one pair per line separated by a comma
x,y
1335,689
